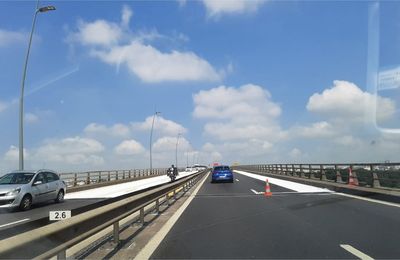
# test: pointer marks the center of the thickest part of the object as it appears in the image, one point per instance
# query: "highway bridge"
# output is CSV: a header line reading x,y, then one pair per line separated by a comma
x,y
313,213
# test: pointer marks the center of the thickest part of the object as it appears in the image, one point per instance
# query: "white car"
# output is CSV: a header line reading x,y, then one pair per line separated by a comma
x,y
24,188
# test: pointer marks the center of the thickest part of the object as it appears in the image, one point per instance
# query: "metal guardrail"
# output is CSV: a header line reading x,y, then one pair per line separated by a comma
x,y
74,179
376,175
54,239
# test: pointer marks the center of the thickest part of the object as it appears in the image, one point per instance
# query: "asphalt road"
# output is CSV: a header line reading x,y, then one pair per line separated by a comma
x,y
228,220
7,217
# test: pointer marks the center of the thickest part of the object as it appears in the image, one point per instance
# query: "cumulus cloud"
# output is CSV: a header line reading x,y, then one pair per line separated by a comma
x,y
316,130
168,144
346,102
116,45
220,7
71,150
116,130
8,38
161,125
99,32
153,66
238,113
129,147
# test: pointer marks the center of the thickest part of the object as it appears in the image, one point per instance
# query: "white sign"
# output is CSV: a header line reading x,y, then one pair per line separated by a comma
x,y
389,78
59,215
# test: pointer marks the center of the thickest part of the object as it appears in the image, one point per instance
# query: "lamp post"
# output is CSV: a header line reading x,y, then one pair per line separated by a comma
x,y
21,99
151,140
176,150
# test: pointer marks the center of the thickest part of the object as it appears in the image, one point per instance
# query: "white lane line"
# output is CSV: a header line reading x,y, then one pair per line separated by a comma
x,y
286,184
15,222
370,200
237,180
356,252
255,192
152,245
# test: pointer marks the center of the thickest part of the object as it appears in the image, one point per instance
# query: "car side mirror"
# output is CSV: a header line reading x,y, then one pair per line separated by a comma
x,y
37,183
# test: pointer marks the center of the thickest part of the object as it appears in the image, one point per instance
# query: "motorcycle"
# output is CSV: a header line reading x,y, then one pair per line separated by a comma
x,y
171,174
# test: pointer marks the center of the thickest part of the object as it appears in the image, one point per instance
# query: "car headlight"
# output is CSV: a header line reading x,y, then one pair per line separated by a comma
x,y
13,192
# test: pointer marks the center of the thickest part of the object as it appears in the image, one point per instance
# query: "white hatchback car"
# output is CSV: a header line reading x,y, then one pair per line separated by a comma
x,y
24,188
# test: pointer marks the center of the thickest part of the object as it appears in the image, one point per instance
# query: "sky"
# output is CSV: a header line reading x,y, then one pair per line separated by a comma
x,y
242,81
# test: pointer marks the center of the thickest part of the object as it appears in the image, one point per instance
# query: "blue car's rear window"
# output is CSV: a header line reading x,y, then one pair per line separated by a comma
x,y
221,168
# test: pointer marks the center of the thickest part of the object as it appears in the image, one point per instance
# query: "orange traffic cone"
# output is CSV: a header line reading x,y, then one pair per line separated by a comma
x,y
268,192
352,180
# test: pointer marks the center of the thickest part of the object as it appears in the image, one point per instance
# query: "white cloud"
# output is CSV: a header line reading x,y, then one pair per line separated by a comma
x,y
12,154
161,125
31,118
153,66
126,15
106,42
348,140
168,144
8,38
98,33
219,7
346,102
316,130
129,147
117,130
238,113
71,150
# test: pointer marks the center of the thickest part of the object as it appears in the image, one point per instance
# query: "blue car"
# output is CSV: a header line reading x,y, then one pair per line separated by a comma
x,y
221,173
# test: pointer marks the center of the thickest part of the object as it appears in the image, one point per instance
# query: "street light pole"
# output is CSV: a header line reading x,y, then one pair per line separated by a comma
x,y
21,99
176,150
151,140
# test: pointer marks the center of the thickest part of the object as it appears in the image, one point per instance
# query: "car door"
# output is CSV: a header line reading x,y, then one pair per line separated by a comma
x,y
52,181
40,191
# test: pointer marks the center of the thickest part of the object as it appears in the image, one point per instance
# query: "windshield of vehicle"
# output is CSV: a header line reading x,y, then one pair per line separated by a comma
x,y
17,178
221,168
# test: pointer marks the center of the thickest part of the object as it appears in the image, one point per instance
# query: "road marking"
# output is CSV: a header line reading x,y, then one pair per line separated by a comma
x,y
255,192
15,222
370,200
237,180
283,183
152,245
356,252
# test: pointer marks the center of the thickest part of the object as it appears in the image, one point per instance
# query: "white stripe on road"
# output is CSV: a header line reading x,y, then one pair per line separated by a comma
x,y
286,184
152,245
255,192
370,200
237,180
356,252
15,222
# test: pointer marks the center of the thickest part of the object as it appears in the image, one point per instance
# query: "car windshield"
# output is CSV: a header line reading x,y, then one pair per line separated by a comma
x,y
16,178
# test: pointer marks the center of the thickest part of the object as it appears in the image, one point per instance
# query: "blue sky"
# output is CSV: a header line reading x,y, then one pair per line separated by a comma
x,y
246,81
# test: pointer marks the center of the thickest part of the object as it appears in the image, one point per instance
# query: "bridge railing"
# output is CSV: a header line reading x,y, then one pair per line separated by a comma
x,y
376,175
54,239
73,179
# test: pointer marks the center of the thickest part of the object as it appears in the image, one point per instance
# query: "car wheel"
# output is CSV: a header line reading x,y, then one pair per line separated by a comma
x,y
60,196
26,203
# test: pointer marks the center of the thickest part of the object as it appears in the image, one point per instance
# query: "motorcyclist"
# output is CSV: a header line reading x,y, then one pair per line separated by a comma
x,y
172,172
